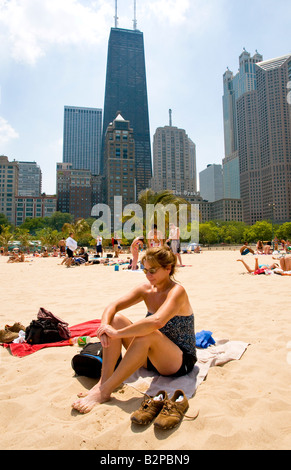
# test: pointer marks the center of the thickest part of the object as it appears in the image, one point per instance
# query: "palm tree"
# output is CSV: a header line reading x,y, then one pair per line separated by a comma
x,y
48,237
163,203
79,228
6,237
23,236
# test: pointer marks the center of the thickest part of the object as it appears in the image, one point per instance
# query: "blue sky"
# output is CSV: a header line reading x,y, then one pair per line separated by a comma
x,y
53,53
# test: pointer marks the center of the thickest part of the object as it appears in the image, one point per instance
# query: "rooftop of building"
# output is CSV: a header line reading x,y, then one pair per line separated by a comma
x,y
274,63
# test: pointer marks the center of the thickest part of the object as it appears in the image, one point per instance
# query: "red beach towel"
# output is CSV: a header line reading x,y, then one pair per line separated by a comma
x,y
88,328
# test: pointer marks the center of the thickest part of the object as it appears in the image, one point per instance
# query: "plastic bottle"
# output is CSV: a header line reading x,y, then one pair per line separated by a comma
x,y
80,341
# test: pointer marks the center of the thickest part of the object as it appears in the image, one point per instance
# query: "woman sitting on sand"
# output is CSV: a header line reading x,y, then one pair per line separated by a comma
x,y
260,247
163,341
16,257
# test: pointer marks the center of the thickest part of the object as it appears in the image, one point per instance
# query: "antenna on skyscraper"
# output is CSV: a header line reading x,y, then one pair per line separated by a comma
x,y
134,20
116,17
170,117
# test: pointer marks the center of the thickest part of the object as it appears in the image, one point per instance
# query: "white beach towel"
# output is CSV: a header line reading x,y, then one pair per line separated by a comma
x,y
222,352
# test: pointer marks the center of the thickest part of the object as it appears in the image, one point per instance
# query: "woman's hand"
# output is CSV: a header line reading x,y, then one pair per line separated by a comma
x,y
106,333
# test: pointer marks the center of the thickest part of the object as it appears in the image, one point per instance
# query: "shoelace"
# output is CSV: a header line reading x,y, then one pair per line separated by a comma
x,y
170,406
147,401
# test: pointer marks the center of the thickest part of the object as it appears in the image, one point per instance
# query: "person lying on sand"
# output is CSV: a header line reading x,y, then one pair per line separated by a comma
x,y
163,341
16,258
259,269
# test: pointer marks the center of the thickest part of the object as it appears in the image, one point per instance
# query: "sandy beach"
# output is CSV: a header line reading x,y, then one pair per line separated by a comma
x,y
245,404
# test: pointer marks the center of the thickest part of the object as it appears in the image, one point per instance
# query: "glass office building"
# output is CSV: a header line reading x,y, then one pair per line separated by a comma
x,y
234,87
82,138
126,94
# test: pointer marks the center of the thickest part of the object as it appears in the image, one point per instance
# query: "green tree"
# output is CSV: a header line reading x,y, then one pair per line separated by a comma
x,y
284,231
6,236
22,235
48,237
80,228
159,200
32,225
208,233
3,220
58,219
261,230
232,232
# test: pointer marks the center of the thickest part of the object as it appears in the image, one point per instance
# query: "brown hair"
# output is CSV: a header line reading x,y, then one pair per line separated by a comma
x,y
161,256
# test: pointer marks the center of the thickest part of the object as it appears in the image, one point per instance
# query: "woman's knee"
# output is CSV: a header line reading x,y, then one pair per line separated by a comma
x,y
146,341
120,321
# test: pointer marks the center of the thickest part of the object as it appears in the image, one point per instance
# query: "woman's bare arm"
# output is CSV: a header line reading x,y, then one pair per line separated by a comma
x,y
177,296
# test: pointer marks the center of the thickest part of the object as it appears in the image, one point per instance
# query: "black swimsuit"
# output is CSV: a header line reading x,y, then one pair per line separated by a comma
x,y
180,330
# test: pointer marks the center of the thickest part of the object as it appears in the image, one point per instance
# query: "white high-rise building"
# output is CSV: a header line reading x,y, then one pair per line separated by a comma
x,y
29,179
174,161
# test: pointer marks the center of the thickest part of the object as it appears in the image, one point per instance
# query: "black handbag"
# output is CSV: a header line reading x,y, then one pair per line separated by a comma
x,y
42,332
88,362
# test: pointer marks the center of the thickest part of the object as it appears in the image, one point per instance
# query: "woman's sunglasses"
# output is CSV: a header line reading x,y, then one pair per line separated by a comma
x,y
150,271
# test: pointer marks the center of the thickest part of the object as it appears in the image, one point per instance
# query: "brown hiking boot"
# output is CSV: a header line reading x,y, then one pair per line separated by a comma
x,y
7,336
173,411
15,328
149,409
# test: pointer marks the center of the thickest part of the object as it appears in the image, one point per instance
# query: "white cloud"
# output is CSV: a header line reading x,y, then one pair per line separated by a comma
x,y
30,27
7,132
173,11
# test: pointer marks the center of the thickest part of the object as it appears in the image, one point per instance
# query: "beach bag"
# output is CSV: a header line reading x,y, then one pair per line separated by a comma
x,y
88,362
46,329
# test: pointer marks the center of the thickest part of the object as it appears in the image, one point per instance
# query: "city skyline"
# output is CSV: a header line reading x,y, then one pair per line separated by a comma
x,y
54,55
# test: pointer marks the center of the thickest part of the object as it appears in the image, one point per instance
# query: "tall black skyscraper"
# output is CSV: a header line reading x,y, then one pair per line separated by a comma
x,y
126,93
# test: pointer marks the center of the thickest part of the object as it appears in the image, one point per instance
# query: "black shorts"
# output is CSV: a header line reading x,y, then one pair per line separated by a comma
x,y
99,249
187,365
70,253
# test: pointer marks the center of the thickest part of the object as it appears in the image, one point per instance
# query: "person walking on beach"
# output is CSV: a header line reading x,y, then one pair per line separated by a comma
x,y
174,239
163,341
62,247
71,245
99,247
134,249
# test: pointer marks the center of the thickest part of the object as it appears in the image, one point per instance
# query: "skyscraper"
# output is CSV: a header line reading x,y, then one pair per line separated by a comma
x,y
119,164
235,86
82,138
126,93
264,146
174,157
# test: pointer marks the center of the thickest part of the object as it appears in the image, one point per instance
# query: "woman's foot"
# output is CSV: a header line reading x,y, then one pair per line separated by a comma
x,y
89,400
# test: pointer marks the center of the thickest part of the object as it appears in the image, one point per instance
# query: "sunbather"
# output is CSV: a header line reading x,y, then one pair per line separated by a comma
x,y
164,341
245,249
259,269
285,263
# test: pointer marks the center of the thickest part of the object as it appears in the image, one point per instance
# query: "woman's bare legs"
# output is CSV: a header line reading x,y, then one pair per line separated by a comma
x,y
134,261
164,355
285,263
247,266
